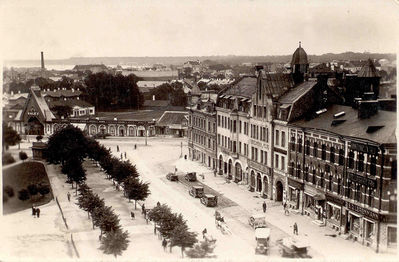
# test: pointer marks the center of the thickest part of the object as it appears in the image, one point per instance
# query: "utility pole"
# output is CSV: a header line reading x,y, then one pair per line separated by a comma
x,y
146,127
181,149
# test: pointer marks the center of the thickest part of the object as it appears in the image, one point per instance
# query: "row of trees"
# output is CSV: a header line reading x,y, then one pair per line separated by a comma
x,y
173,227
170,91
115,240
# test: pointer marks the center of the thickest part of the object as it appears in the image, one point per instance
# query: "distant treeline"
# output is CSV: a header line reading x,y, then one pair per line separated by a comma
x,y
178,60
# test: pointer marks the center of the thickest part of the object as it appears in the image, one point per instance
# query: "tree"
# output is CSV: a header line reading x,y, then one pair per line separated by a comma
x,y
109,221
62,110
32,188
64,144
115,242
180,236
23,156
201,250
7,159
10,137
122,170
169,223
43,189
23,195
72,167
9,191
136,189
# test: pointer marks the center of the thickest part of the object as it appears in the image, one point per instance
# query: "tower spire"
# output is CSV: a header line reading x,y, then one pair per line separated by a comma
x,y
299,43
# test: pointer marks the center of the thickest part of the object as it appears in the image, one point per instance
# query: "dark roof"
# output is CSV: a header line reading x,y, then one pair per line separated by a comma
x,y
353,126
60,93
69,102
296,92
276,84
172,118
88,67
299,56
156,103
368,70
245,87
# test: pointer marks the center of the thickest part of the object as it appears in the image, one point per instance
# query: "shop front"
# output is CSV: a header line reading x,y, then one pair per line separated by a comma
x,y
314,203
334,212
294,193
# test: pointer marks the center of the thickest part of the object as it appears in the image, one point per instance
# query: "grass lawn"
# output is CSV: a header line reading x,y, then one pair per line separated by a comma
x,y
20,177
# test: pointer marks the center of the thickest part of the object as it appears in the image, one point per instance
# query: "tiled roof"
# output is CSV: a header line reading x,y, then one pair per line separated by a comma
x,y
276,84
70,102
146,86
141,115
296,92
368,70
244,87
353,126
172,118
62,93
42,104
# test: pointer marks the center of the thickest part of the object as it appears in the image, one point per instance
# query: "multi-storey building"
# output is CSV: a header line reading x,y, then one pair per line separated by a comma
x,y
201,132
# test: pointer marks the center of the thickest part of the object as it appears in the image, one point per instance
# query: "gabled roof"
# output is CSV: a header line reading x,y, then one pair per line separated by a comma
x,y
70,102
193,86
62,93
170,118
368,70
296,92
42,106
244,87
276,84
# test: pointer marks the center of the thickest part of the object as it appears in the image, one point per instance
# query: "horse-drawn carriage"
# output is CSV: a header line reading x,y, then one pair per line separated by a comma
x,y
220,223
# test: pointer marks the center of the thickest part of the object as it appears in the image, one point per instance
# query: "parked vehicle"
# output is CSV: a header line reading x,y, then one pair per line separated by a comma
x,y
292,248
262,237
196,191
257,220
209,200
191,177
172,177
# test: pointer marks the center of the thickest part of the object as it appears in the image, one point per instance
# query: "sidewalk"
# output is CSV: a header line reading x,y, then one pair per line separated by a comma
x,y
308,232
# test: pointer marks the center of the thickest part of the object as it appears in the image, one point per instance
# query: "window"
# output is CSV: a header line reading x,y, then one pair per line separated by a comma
x,y
315,149
265,158
329,183
341,157
358,193
282,138
261,156
373,168
292,143
339,189
351,161
239,126
234,146
307,149
298,171
323,152
332,154
264,112
360,162
277,140
234,126
218,120
306,175
321,179
314,177
267,135
254,113
300,145
282,163
393,170
276,162
239,147
370,197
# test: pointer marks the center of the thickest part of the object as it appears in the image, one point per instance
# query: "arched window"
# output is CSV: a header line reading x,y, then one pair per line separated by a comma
x,y
360,162
307,147
332,154
341,157
323,152
351,159
315,149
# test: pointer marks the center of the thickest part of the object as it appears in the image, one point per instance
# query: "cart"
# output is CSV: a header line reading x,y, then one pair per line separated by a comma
x,y
220,223
262,237
292,248
172,177
257,220
196,191
209,200
191,177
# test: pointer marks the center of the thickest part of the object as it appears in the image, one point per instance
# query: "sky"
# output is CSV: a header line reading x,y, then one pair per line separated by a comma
x,y
64,29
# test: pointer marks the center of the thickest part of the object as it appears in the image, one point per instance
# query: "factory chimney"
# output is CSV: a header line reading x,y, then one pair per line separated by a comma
x,y
42,61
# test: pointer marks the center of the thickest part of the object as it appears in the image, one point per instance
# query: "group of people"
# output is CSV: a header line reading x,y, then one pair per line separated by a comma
x,y
35,212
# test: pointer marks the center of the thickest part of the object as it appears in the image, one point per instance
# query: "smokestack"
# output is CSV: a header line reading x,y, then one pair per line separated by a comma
x,y
42,60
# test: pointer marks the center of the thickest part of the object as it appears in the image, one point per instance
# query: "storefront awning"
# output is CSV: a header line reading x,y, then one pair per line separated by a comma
x,y
319,197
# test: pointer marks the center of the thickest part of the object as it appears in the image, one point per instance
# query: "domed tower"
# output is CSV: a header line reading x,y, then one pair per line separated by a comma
x,y
369,80
299,64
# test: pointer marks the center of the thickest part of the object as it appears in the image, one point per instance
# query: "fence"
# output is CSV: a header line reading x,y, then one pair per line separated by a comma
x,y
62,213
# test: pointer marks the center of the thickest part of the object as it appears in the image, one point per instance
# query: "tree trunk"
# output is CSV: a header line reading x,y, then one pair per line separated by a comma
x,y
135,204
129,200
88,215
170,249
182,254
92,221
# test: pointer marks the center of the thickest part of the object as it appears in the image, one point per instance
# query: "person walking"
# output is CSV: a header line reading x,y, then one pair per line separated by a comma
x,y
295,229
204,232
121,156
33,211
264,206
117,148
132,214
69,196
214,173
164,244
286,212
38,212
158,204
135,146
125,155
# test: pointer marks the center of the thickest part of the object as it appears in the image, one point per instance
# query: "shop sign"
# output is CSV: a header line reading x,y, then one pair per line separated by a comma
x,y
363,211
335,200
295,184
363,180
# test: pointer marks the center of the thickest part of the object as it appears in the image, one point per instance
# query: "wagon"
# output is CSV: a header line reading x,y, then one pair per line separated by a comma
x,y
257,220
292,248
191,177
196,191
172,177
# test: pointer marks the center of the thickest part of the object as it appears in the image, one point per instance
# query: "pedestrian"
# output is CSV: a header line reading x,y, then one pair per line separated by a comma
x,y
286,212
295,229
155,229
125,155
135,146
132,214
264,206
185,157
158,204
204,232
121,156
146,219
69,196
164,244
117,148
38,212
214,173
33,211
143,209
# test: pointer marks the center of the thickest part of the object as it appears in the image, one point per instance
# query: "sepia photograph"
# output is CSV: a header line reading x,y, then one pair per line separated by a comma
x,y
241,130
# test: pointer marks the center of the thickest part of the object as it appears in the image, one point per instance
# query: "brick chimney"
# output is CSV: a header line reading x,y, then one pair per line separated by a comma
x,y
42,57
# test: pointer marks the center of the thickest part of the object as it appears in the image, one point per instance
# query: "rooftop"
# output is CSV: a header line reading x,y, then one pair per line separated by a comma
x,y
172,118
60,93
141,115
70,102
368,70
353,126
245,87
296,92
